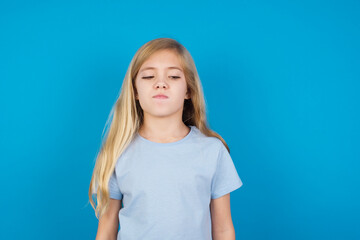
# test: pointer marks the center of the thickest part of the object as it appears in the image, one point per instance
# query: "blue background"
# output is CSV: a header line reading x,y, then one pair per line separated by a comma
x,y
281,81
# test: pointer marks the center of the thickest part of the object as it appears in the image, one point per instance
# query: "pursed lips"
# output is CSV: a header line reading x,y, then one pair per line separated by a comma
x,y
160,96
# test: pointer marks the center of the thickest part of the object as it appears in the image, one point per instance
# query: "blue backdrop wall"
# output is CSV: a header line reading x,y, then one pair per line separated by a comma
x,y
281,82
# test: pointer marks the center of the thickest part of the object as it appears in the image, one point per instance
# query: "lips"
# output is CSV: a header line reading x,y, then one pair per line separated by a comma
x,y
160,96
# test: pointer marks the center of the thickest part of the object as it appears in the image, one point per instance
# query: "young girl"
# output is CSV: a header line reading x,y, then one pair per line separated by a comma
x,y
172,174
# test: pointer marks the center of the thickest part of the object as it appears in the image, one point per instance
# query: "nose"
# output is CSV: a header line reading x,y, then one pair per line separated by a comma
x,y
160,83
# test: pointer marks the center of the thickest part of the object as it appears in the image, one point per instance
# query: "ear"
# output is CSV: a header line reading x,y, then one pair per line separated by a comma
x,y
187,96
136,94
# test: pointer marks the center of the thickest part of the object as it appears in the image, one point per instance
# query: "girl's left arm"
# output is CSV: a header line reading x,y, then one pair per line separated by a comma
x,y
221,222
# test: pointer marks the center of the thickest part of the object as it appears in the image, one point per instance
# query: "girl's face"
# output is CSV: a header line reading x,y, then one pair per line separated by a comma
x,y
161,74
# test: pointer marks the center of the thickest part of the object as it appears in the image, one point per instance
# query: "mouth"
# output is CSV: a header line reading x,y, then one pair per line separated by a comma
x,y
160,96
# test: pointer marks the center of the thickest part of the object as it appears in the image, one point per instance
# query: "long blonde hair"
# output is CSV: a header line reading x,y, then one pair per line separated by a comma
x,y
127,116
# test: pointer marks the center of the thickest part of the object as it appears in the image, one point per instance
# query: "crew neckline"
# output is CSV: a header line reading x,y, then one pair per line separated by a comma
x,y
169,143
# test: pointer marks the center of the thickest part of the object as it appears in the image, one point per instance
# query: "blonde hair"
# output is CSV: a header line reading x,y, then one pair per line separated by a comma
x,y
127,116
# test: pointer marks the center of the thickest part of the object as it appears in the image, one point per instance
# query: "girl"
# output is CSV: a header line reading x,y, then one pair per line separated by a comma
x,y
172,174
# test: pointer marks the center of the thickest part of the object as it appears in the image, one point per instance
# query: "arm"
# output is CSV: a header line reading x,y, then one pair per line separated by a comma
x,y
221,222
109,222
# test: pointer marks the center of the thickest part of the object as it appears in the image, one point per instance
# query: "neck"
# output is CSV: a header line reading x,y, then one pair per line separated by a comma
x,y
163,129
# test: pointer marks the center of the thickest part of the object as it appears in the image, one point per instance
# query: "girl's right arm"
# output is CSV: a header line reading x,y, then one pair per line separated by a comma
x,y
109,222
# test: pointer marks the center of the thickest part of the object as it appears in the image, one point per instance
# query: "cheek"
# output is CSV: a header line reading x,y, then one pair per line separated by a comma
x,y
182,89
141,88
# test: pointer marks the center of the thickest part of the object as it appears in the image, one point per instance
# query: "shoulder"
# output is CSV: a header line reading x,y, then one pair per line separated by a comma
x,y
209,142
127,152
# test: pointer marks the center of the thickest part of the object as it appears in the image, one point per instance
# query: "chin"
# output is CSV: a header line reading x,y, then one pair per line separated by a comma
x,y
161,113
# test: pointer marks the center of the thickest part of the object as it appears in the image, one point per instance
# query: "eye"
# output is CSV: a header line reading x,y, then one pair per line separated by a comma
x,y
175,77
148,77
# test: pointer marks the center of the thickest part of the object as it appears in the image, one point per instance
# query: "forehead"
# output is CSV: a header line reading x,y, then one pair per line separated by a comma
x,y
163,59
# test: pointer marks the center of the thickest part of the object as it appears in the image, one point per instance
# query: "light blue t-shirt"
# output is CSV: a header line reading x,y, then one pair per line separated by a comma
x,y
166,188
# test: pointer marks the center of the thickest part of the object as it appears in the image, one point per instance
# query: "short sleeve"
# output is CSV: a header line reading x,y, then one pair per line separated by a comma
x,y
226,178
114,189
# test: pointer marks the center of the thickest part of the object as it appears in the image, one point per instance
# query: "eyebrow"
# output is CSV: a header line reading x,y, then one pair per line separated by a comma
x,y
172,67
